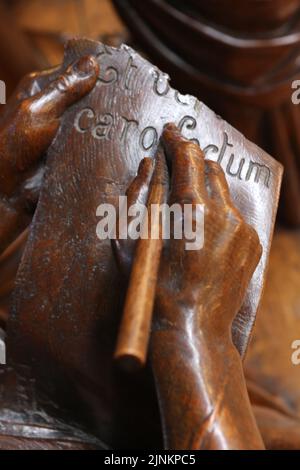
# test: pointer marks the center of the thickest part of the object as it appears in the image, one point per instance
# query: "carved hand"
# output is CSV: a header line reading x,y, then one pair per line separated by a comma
x,y
213,278
28,125
197,369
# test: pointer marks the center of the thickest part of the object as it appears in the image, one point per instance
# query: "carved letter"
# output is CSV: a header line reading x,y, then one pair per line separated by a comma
x,y
148,138
128,73
158,80
224,147
211,147
110,76
126,125
190,123
259,170
178,98
103,128
105,50
81,117
238,173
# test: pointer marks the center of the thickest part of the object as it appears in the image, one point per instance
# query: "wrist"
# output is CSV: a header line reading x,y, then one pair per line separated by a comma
x,y
191,374
194,318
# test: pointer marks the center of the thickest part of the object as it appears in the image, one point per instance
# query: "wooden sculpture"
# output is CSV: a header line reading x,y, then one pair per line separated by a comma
x,y
134,335
61,385
241,58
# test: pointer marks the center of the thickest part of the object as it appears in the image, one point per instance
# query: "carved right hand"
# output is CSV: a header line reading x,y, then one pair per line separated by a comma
x,y
211,281
198,371
201,288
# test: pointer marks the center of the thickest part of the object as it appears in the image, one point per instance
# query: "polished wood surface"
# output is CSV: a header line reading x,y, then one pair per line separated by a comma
x,y
89,140
272,377
272,384
135,328
269,356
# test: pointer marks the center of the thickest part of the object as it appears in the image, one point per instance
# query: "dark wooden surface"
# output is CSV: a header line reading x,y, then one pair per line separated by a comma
x,y
277,324
75,328
269,355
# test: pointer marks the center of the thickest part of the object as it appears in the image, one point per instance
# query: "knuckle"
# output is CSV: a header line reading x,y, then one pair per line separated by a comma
x,y
24,108
29,112
253,237
62,83
183,195
186,147
251,240
29,85
254,255
145,167
214,167
209,221
32,76
28,79
234,218
209,211
259,251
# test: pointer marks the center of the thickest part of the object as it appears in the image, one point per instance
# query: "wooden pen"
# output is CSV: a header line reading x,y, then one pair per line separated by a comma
x,y
134,333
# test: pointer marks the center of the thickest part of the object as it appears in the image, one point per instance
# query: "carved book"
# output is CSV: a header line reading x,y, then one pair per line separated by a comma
x,y
69,292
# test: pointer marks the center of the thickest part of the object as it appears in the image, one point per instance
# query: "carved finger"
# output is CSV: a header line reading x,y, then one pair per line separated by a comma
x,y
136,193
78,80
187,160
217,184
34,82
30,85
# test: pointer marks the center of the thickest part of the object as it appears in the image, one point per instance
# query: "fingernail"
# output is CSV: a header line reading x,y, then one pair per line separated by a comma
x,y
171,132
145,165
86,66
170,126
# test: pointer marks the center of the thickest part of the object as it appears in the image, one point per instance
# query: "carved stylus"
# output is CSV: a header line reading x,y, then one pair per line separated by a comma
x,y
133,339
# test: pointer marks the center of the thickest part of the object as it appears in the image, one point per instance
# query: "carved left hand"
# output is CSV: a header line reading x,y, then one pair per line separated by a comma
x,y
29,123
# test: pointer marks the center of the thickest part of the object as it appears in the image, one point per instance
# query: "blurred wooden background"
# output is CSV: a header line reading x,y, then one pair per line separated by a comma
x,y
60,18
33,32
